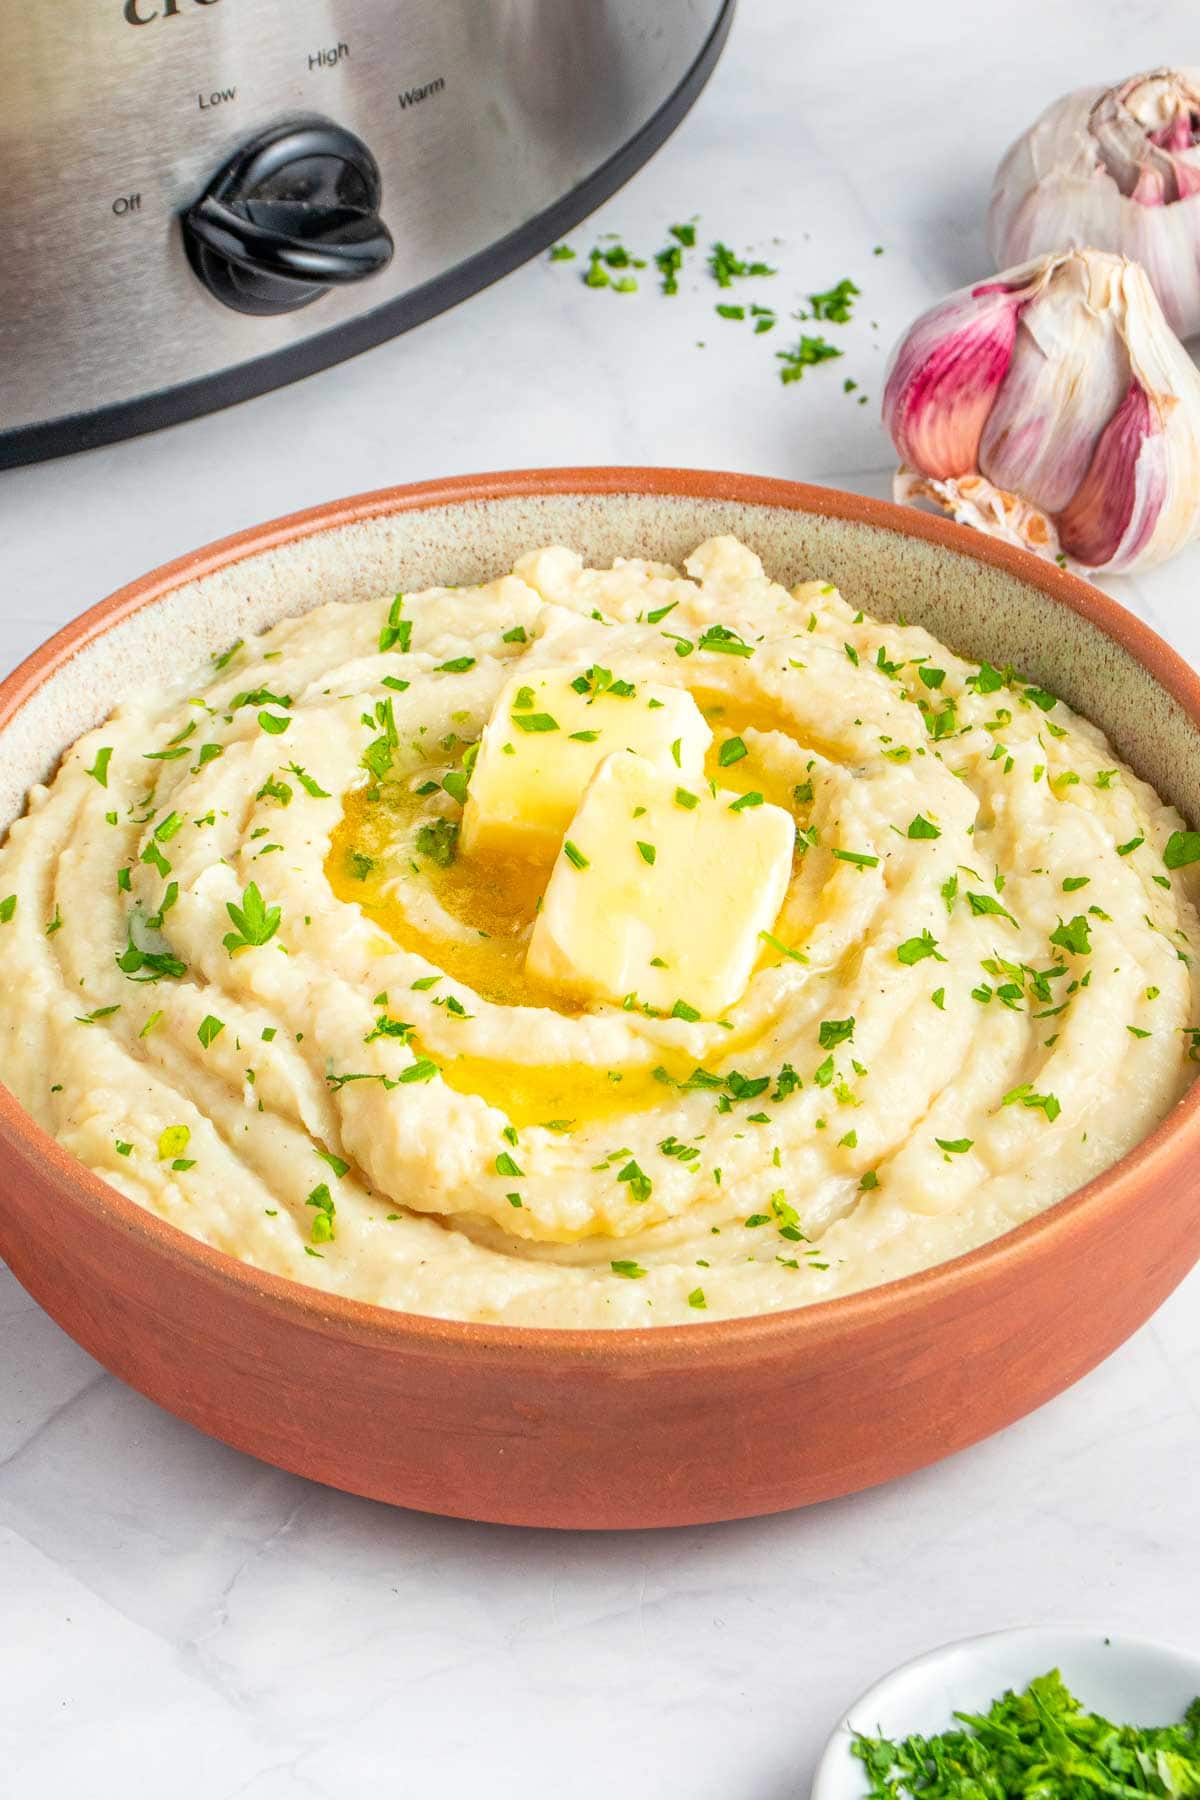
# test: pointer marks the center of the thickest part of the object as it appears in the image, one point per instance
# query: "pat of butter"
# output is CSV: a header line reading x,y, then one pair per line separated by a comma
x,y
545,740
661,890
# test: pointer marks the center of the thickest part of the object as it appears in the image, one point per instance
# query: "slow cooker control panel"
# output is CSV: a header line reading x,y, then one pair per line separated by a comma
x,y
293,213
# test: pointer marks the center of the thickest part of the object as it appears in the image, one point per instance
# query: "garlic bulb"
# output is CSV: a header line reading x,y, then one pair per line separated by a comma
x,y
1117,168
1052,406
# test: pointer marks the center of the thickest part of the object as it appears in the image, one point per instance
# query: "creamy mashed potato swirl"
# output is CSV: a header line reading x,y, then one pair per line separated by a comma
x,y
253,982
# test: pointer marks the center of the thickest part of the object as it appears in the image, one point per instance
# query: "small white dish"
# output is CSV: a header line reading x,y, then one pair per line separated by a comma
x,y
1126,1679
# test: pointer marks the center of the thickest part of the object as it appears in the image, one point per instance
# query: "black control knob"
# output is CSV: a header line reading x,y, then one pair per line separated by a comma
x,y
292,214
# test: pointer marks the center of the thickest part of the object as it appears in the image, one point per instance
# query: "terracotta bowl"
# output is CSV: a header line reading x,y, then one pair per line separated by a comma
x,y
607,1429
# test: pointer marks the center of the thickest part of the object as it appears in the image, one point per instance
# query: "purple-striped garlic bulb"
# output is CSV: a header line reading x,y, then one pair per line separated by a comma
x,y
1117,168
1053,406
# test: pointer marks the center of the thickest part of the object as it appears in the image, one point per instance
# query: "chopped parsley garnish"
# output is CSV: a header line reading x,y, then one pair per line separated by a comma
x,y
1132,845
378,756
731,751
397,633
506,1166
696,1300
8,907
322,1226
1042,1743
535,721
256,922
173,1142
856,857
681,1010
99,769
631,1271
598,680
340,1167
782,948
574,855
101,1012
438,840
1073,936
686,800
647,852
210,1027
921,827
273,723
639,1183
458,665
954,1146
1072,883
1025,1096
835,1031
916,949
1182,848
982,904
754,798
722,642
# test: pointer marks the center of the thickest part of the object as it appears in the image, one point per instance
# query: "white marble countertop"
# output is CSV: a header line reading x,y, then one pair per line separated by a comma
x,y
175,1614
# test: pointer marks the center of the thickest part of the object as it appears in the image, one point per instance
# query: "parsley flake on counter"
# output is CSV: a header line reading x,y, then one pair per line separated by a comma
x,y
725,267
836,304
808,353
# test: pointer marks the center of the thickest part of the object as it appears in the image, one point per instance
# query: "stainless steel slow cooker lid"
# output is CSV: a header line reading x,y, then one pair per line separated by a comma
x,y
481,129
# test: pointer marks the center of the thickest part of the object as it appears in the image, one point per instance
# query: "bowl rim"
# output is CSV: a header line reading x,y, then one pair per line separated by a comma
x,y
623,1349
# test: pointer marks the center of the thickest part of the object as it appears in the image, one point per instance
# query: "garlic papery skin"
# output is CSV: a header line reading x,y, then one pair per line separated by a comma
x,y
1117,168
1052,406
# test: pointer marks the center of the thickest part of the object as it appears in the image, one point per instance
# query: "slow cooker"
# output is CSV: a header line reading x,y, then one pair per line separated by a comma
x,y
203,199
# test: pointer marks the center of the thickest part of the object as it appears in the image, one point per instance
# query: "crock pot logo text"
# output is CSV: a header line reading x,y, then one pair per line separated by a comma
x,y
144,12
